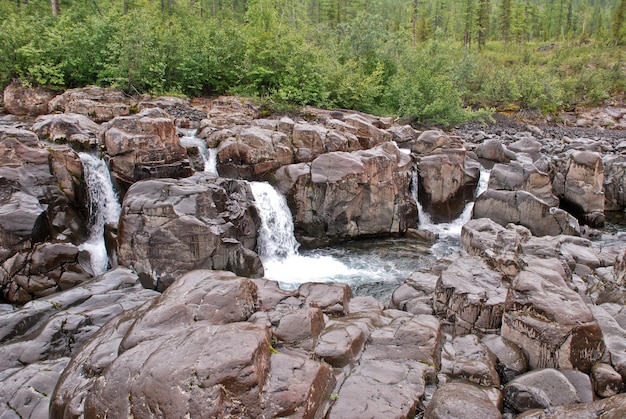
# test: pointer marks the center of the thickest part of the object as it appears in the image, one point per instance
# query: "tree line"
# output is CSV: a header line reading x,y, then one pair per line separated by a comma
x,y
429,61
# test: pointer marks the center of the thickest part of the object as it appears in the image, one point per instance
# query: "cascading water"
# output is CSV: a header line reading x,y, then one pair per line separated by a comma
x,y
209,155
103,206
369,267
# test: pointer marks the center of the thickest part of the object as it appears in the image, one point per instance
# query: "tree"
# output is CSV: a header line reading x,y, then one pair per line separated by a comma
x,y
505,20
414,21
618,21
483,22
55,7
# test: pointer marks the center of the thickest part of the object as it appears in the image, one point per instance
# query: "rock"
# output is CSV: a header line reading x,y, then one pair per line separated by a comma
x,y
493,150
583,190
333,299
549,320
343,340
523,208
403,135
539,389
606,381
469,297
461,400
9,135
391,376
216,297
466,358
77,130
21,100
97,103
416,294
297,387
253,152
446,184
430,140
309,141
614,338
523,176
528,146
169,227
611,408
345,195
179,108
614,179
144,146
582,384
500,247
368,134
300,327
511,360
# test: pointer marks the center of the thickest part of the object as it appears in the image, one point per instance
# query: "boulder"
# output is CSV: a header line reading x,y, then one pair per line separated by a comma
x,y
528,146
345,195
461,400
77,130
22,100
614,338
469,297
493,150
431,140
253,153
611,408
614,181
510,359
169,227
415,295
583,192
98,103
539,389
446,184
178,108
525,177
465,357
524,208
309,141
549,320
606,381
144,146
368,134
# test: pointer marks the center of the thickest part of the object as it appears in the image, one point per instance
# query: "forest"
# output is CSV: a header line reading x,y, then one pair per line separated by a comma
x,y
426,61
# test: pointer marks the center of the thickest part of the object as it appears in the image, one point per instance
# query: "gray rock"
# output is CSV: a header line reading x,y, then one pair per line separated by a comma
x,y
20,100
611,408
464,357
539,389
461,400
75,129
511,360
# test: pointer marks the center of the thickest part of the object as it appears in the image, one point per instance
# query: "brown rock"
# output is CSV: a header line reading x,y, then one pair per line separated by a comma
x,y
461,400
97,103
606,381
20,100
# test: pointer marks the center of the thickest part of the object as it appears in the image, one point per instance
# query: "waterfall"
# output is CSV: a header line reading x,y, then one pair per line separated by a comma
x,y
209,155
276,239
103,208
453,228
278,247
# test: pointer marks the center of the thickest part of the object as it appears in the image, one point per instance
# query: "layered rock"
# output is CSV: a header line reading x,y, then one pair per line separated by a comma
x,y
97,103
169,227
523,177
549,320
144,146
523,208
446,183
77,130
343,195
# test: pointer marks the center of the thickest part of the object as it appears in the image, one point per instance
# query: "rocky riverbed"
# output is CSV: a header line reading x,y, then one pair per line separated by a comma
x,y
526,319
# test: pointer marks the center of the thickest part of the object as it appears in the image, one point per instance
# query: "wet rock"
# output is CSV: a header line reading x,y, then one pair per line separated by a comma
x,y
21,100
144,146
169,227
606,381
253,152
461,400
446,183
77,130
97,103
511,360
549,320
539,389
464,357
345,195
523,208
469,297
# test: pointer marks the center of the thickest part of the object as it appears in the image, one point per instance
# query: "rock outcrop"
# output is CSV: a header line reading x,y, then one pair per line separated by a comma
x,y
343,195
97,103
21,100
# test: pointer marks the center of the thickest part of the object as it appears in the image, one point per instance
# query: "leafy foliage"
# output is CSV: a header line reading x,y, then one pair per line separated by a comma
x,y
416,60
